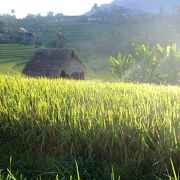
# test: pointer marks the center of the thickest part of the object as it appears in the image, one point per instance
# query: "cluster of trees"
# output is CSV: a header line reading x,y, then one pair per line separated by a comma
x,y
115,12
10,32
45,27
6,31
147,64
28,31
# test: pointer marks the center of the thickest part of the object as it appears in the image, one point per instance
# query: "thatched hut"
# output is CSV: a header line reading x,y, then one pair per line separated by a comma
x,y
56,63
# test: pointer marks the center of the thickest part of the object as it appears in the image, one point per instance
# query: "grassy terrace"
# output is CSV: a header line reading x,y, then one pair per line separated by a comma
x,y
13,57
112,130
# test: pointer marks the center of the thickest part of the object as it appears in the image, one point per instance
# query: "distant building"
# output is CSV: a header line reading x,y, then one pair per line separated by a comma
x,y
73,18
28,37
94,19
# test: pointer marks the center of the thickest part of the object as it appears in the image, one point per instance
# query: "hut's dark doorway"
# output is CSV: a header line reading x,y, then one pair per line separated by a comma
x,y
63,74
76,75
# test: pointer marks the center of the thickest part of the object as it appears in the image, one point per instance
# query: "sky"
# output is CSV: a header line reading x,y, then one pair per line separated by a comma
x,y
67,7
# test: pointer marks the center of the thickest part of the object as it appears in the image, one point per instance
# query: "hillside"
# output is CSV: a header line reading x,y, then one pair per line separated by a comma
x,y
153,6
94,41
13,57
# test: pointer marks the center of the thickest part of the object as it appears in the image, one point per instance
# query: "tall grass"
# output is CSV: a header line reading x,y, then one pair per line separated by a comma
x,y
135,128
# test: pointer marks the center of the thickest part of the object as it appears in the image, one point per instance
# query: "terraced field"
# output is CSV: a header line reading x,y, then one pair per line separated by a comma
x,y
13,57
95,42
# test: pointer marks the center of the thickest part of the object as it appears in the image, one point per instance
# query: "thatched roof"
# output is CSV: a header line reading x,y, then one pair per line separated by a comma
x,y
49,61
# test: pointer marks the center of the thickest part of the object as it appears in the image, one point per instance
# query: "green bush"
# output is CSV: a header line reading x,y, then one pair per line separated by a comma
x,y
148,64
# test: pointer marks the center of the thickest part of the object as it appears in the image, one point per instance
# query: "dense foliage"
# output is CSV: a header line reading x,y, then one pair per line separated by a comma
x,y
148,64
128,130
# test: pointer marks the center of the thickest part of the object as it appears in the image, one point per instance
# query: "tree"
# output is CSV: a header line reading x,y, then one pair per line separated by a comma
x,y
94,8
1,31
59,16
1,26
162,10
120,64
62,38
148,64
13,18
50,14
12,12
30,17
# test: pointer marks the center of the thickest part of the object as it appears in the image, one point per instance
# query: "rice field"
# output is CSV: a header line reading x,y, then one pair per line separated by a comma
x,y
13,57
66,129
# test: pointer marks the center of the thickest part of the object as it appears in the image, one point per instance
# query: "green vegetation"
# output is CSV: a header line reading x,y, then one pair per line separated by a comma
x,y
148,64
61,39
95,41
13,57
65,129
110,129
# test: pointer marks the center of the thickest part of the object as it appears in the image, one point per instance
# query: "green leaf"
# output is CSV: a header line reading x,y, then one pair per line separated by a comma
x,y
158,46
174,47
174,172
168,50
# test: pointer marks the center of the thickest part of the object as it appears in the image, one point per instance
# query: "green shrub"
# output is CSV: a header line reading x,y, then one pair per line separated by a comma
x,y
148,64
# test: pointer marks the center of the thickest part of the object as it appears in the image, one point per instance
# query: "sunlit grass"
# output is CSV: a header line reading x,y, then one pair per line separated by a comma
x,y
122,124
13,57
